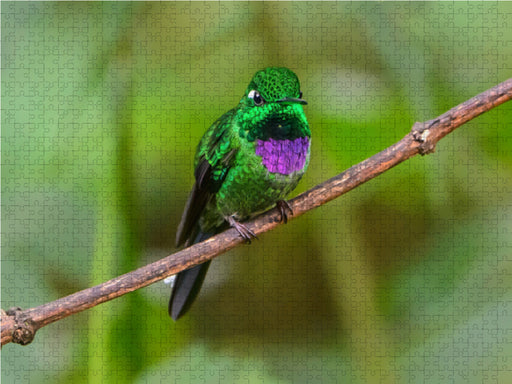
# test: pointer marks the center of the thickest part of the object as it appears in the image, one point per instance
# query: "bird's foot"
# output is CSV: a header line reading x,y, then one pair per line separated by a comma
x,y
245,232
283,207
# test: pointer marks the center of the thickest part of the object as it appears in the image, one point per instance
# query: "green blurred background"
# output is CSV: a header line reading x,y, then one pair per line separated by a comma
x,y
406,279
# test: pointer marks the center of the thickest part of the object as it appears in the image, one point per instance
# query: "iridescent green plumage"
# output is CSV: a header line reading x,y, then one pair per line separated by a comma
x,y
249,159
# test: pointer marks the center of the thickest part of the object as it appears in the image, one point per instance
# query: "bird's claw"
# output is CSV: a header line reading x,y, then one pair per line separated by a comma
x,y
283,206
244,232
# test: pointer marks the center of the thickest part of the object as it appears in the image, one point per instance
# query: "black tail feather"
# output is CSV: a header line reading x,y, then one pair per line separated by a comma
x,y
187,285
185,289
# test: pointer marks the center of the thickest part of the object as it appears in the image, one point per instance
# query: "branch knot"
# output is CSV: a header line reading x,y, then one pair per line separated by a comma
x,y
420,133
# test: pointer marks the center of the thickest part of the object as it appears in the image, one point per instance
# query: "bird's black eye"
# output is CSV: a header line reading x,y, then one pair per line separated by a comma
x,y
300,95
256,97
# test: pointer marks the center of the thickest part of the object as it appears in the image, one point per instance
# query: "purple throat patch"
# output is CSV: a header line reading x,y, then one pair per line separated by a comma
x,y
283,156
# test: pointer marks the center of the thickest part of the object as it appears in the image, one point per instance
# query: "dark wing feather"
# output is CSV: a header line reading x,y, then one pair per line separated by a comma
x,y
213,161
196,202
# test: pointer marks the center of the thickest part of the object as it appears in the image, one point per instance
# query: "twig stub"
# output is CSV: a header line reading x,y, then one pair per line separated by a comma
x,y
23,328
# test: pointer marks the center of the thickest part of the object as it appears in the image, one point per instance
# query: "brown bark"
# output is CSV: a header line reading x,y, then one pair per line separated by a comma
x,y
19,326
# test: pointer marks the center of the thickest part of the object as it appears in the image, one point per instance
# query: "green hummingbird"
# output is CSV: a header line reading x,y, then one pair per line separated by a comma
x,y
251,158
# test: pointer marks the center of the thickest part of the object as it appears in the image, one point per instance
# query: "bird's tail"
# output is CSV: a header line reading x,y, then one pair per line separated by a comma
x,y
188,284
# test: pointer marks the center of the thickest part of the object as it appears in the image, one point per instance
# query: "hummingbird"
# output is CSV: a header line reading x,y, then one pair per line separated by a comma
x,y
249,160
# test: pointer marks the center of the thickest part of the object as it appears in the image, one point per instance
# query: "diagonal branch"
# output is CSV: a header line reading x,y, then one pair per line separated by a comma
x,y
19,326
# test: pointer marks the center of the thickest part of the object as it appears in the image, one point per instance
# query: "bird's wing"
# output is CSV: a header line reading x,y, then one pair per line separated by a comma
x,y
214,158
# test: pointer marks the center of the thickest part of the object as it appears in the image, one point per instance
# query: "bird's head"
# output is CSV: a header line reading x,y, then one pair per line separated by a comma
x,y
272,107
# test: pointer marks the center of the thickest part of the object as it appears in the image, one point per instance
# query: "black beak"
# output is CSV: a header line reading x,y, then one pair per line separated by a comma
x,y
292,100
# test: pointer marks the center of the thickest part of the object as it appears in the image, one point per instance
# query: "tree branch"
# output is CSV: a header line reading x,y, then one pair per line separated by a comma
x,y
19,326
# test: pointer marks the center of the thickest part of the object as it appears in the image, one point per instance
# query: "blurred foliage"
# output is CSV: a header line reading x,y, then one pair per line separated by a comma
x,y
406,279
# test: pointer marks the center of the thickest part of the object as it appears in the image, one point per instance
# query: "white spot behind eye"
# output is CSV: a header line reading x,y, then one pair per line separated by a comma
x,y
256,97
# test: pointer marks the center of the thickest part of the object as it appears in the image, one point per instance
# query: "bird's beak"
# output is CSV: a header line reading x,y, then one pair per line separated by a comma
x,y
292,100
